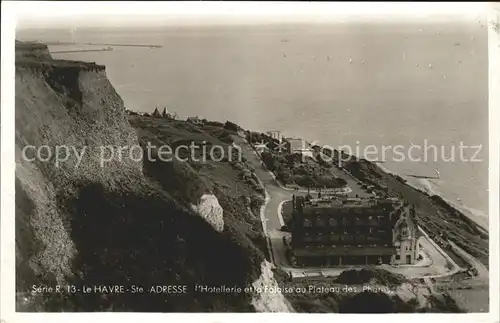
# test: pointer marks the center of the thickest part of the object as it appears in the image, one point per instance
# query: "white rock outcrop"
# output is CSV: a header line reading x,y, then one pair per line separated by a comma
x,y
210,210
267,297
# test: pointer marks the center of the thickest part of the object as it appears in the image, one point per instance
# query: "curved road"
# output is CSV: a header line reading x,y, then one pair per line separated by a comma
x,y
277,195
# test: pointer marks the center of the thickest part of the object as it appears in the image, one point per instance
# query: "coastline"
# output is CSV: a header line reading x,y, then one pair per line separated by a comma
x,y
481,221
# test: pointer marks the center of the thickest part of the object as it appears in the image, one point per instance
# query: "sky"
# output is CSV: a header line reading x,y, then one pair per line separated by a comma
x,y
117,14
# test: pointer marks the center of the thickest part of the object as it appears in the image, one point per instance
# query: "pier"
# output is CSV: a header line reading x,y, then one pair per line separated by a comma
x,y
126,45
82,50
57,43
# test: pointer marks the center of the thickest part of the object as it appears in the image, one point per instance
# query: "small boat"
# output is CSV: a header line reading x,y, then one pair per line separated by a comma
x,y
430,65
350,60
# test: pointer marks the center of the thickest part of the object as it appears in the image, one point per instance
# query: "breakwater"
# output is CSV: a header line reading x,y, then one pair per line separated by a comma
x,y
82,50
57,43
126,45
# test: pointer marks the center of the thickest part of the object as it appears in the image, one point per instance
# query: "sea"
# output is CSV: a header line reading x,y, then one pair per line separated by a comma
x,y
348,85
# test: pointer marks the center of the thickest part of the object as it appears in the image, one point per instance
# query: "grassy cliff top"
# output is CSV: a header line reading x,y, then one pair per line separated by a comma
x,y
37,55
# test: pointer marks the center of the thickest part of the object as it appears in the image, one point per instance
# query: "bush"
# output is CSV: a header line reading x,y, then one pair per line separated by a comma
x,y
214,124
305,181
284,175
270,161
230,126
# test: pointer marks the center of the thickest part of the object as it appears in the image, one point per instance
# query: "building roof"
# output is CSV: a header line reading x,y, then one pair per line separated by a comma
x,y
296,144
348,202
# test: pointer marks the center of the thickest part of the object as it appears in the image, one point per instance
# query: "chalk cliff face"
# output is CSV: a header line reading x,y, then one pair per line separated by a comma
x,y
210,210
268,297
71,105
82,221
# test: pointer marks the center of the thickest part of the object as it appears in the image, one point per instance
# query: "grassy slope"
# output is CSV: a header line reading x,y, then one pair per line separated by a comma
x,y
188,181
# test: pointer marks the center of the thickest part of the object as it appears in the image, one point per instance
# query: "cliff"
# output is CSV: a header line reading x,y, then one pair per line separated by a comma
x,y
124,222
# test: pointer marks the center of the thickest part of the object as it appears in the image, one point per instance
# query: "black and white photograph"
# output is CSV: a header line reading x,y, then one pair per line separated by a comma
x,y
301,158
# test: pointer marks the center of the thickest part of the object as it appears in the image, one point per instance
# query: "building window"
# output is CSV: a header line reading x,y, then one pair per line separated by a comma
x,y
332,222
397,257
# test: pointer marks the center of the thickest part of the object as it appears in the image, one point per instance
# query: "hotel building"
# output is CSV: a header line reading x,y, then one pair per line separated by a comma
x,y
353,231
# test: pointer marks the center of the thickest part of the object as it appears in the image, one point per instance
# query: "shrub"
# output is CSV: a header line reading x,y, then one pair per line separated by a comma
x,y
230,126
269,161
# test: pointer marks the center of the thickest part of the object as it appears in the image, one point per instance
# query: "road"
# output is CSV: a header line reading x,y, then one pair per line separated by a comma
x,y
440,266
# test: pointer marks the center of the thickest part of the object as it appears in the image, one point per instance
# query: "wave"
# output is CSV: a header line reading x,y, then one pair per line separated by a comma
x,y
428,187
386,170
477,215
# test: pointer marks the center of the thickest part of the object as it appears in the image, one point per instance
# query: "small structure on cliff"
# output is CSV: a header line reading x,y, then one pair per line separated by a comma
x,y
156,113
194,120
260,148
167,115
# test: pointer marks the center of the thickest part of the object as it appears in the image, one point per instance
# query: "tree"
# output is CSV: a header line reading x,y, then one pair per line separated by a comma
x,y
269,161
